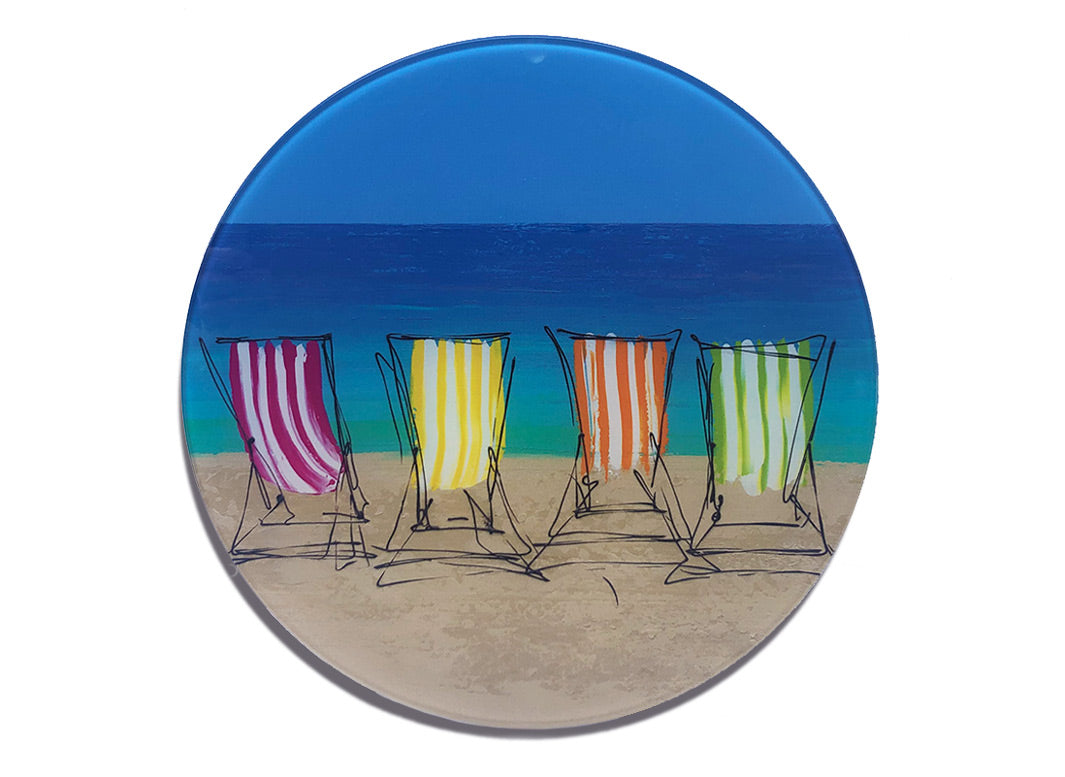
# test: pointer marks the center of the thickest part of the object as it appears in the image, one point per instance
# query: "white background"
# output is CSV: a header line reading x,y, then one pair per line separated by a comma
x,y
932,643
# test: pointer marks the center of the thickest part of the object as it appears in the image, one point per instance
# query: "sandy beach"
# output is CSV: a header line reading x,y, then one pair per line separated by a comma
x,y
596,640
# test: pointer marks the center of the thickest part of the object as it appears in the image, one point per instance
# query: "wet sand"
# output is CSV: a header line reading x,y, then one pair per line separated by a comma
x,y
594,641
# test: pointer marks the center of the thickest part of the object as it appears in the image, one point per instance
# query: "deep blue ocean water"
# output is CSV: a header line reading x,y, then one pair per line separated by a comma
x,y
361,282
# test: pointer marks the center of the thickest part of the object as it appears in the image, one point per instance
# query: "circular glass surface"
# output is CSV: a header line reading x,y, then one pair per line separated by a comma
x,y
529,382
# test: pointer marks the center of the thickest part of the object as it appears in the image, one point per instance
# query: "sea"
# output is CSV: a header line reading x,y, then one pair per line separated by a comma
x,y
360,282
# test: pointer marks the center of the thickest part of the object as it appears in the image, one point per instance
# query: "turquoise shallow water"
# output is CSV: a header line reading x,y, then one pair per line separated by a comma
x,y
360,282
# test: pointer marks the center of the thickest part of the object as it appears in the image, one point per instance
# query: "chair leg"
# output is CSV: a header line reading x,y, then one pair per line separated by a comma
x,y
403,526
240,535
694,566
817,518
498,493
582,496
277,515
358,549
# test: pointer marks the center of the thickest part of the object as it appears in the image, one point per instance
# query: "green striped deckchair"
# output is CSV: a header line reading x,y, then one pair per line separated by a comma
x,y
760,403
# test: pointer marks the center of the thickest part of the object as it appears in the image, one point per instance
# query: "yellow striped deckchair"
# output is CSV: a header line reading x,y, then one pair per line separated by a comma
x,y
760,404
450,413
456,398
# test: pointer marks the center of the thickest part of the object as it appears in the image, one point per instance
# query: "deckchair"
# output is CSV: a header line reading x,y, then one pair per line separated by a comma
x,y
303,498
448,398
760,405
618,388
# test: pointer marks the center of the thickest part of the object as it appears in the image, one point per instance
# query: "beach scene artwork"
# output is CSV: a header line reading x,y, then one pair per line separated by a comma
x,y
529,383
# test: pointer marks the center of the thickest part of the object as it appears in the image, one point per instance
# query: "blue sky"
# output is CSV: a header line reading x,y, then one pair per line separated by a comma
x,y
528,131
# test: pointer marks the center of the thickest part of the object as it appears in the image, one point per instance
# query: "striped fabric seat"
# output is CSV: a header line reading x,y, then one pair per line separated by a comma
x,y
457,398
620,386
761,410
278,401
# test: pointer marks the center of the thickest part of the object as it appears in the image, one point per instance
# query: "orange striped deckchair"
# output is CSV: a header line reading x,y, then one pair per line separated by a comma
x,y
619,389
760,404
620,385
449,411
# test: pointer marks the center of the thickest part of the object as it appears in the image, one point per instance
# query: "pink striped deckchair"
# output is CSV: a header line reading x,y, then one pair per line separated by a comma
x,y
619,389
276,394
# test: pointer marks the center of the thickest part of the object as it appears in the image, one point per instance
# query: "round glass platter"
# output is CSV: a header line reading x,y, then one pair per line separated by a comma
x,y
529,382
